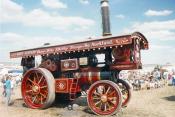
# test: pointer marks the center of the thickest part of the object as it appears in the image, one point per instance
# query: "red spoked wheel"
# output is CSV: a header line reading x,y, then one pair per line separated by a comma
x,y
104,98
38,88
126,90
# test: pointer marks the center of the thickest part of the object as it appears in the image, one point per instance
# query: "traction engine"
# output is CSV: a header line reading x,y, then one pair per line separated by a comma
x,y
92,66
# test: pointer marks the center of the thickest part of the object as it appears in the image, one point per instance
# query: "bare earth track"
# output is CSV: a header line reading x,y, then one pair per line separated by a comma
x,y
146,103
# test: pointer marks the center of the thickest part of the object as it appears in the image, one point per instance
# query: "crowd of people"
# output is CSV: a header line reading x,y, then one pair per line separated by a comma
x,y
139,84
149,80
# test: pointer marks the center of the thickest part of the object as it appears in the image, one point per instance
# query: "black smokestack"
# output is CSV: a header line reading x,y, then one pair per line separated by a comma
x,y
105,17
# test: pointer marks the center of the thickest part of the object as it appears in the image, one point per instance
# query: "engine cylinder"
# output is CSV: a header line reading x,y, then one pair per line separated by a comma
x,y
91,77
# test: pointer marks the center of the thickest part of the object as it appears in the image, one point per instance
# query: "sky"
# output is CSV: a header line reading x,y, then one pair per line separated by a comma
x,y
31,23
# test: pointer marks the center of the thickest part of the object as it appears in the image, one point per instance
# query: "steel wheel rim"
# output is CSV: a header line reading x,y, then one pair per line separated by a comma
x,y
125,90
107,103
34,89
125,94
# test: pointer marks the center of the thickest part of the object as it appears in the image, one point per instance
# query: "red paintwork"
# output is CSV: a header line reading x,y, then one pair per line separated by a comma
x,y
63,85
89,77
121,54
103,42
126,56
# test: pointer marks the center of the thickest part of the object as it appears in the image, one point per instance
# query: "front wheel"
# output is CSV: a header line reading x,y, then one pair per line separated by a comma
x,y
38,88
104,98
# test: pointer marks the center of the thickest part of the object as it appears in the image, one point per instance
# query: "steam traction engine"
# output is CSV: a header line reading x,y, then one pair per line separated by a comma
x,y
68,69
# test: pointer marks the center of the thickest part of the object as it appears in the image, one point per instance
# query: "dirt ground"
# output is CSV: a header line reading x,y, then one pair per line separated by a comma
x,y
146,103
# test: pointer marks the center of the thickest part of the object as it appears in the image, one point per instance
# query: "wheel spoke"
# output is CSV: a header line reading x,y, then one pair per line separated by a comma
x,y
112,98
100,107
108,90
96,98
29,86
104,90
108,105
97,103
43,95
105,107
31,81
34,99
112,102
43,82
34,79
113,92
29,91
97,94
36,75
41,100
40,79
43,87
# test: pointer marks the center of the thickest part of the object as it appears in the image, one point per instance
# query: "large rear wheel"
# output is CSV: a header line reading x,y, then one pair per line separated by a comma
x,y
126,90
38,88
104,98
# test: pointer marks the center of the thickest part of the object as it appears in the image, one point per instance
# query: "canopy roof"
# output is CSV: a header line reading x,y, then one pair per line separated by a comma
x,y
104,42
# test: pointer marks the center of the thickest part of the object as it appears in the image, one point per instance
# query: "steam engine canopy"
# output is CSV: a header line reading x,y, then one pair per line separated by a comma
x,y
102,43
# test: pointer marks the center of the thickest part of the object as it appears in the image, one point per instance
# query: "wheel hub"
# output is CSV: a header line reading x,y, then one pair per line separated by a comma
x,y
104,98
35,89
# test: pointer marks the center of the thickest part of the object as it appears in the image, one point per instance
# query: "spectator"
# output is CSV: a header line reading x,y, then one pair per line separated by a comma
x,y
173,80
12,85
157,75
8,90
4,87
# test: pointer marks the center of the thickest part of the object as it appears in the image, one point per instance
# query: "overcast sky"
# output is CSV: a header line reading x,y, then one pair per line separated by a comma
x,y
30,23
